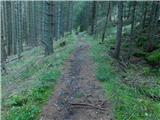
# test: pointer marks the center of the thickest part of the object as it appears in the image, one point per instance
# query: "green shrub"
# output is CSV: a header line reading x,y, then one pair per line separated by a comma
x,y
146,70
141,40
16,100
157,46
48,76
102,74
26,112
154,57
140,54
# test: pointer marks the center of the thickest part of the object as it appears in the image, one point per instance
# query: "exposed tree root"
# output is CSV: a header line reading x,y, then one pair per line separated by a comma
x,y
83,105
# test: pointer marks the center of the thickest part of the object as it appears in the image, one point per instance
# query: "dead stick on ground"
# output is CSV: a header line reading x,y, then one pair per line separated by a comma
x,y
87,105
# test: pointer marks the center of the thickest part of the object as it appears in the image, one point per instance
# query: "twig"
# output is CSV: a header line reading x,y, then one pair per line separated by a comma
x,y
87,105
13,59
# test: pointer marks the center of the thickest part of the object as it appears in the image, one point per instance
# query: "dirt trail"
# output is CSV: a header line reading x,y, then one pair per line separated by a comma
x,y
78,95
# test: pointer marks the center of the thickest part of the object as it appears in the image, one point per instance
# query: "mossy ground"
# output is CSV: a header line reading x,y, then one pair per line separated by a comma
x,y
31,80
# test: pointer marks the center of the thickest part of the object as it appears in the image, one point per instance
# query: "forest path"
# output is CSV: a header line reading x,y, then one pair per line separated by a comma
x,y
78,95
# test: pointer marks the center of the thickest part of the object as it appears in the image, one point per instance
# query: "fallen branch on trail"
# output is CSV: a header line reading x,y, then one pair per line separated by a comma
x,y
13,59
83,105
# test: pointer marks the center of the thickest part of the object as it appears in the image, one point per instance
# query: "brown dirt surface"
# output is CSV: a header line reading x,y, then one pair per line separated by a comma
x,y
78,95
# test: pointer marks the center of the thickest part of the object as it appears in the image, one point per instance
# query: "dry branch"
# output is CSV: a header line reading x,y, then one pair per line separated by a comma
x,y
87,105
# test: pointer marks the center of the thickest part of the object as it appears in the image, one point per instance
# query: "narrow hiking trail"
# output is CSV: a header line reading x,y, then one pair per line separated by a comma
x,y
78,95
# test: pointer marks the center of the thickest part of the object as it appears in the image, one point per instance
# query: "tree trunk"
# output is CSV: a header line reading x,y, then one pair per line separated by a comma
x,y
105,26
71,17
3,38
152,25
93,17
132,30
9,27
144,14
61,19
119,30
48,27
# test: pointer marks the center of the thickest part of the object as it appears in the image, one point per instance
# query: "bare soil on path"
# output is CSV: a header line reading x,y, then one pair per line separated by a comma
x,y
78,95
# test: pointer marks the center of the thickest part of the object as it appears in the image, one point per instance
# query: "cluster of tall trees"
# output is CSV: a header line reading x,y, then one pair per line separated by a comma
x,y
31,23
151,17
142,16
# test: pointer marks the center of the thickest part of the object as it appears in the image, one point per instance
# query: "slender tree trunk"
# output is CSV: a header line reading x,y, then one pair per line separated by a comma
x,y
48,27
110,13
68,15
9,27
144,14
61,19
129,11
152,26
119,30
71,17
132,30
105,26
58,19
3,38
93,17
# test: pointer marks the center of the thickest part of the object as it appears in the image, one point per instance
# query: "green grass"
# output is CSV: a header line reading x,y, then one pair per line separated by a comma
x,y
127,102
40,73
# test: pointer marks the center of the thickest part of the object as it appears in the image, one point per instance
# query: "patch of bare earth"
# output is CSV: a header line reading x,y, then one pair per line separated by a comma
x,y
78,95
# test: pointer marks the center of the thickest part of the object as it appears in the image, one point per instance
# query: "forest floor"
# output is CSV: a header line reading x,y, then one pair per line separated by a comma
x,y
30,81
78,95
80,80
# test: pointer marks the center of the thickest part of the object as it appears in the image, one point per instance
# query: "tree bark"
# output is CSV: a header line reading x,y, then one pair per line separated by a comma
x,y
130,51
119,30
105,26
144,15
152,25
48,27
3,38
93,17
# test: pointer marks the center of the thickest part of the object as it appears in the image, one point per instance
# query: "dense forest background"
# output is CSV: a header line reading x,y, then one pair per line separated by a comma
x,y
29,24
127,32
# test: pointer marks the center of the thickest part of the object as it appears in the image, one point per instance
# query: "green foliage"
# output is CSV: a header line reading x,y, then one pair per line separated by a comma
x,y
154,57
157,46
81,14
30,69
146,70
62,44
26,104
102,74
140,54
49,76
141,41
127,102
26,112
16,100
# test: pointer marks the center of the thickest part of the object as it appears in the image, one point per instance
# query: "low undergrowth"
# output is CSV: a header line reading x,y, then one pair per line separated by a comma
x,y
41,73
128,102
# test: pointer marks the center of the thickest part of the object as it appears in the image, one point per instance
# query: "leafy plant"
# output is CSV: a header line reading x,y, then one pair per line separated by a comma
x,y
154,57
